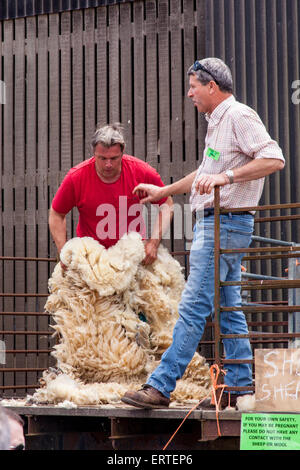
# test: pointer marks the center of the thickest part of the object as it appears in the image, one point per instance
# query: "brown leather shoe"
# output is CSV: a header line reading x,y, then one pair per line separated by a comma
x,y
207,405
146,397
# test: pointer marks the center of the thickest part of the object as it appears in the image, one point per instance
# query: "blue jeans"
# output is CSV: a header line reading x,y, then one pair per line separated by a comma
x,y
197,303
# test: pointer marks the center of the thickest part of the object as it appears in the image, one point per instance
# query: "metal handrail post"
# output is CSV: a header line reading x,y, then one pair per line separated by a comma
x,y
217,275
294,300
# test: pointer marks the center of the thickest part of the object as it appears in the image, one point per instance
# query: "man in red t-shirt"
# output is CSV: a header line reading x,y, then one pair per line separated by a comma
x,y
102,190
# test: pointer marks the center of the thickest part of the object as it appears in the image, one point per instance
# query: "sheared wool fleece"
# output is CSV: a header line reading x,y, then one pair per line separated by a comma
x,y
114,318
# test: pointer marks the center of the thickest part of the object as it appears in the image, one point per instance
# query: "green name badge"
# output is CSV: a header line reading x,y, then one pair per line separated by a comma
x,y
211,153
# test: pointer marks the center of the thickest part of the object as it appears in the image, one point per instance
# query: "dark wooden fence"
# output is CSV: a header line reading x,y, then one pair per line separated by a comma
x,y
65,72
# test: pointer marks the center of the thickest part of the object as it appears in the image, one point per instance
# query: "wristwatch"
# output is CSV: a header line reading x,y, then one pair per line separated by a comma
x,y
229,173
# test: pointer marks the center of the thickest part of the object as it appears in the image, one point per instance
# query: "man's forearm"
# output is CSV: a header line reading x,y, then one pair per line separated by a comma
x,y
256,169
162,221
182,186
58,229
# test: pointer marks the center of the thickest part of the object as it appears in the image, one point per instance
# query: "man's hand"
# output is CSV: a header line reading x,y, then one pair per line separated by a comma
x,y
205,183
151,247
148,192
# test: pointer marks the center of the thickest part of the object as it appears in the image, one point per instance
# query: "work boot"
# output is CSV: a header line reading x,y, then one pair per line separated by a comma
x,y
146,397
207,405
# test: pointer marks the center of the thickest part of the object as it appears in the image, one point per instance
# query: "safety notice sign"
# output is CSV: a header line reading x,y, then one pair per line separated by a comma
x,y
266,431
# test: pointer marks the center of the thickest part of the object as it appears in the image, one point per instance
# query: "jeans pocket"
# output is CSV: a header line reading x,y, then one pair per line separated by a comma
x,y
239,237
236,238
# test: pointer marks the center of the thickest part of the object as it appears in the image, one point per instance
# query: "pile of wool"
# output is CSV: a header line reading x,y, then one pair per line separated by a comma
x,y
246,403
114,317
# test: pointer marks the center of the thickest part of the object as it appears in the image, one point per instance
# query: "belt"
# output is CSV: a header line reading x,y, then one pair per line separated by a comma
x,y
211,211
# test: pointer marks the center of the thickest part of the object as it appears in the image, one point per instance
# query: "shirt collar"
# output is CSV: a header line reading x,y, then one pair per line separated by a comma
x,y
218,112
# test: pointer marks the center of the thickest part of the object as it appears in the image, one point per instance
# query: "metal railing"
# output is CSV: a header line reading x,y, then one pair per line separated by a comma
x,y
25,382
254,282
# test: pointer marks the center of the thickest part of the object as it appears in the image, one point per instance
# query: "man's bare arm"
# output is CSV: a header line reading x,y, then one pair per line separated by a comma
x,y
152,193
257,168
58,228
161,225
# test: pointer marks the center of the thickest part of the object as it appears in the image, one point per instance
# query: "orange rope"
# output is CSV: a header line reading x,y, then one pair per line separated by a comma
x,y
188,414
214,373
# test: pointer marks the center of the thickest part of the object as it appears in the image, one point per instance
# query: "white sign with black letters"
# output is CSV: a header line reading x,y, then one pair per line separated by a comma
x,y
277,379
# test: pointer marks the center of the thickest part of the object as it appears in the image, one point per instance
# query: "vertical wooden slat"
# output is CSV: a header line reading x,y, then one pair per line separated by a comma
x,y
210,38
54,117
201,52
126,74
293,16
164,84
113,60
283,103
65,86
251,94
177,77
204,349
139,82
89,79
190,152
229,36
19,158
30,216
164,92
176,90
251,97
54,129
102,72
151,84
281,182
219,19
262,109
77,88
273,92
65,102
240,53
1,204
77,99
42,174
8,186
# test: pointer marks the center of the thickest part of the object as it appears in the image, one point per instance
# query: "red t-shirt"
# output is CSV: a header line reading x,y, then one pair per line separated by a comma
x,y
106,210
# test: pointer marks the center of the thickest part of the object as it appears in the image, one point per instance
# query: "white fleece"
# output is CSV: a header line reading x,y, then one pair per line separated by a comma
x,y
114,318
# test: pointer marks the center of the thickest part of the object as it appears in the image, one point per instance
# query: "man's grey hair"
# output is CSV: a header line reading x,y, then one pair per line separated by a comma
x,y
220,71
4,430
109,135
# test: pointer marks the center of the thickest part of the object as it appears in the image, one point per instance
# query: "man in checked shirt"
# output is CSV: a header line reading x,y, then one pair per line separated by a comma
x,y
238,154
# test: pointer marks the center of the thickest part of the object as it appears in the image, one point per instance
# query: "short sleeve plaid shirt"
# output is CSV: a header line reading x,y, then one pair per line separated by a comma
x,y
235,135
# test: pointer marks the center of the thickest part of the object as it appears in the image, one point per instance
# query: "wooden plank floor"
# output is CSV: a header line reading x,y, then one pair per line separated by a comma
x,y
124,411
123,427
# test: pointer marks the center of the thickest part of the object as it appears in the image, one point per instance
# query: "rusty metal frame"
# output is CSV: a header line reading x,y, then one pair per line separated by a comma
x,y
285,250
25,332
278,252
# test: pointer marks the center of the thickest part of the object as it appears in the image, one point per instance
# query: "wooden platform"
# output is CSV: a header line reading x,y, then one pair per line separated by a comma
x,y
122,427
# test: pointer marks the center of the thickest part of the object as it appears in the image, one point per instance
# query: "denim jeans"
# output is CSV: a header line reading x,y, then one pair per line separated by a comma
x,y
197,303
